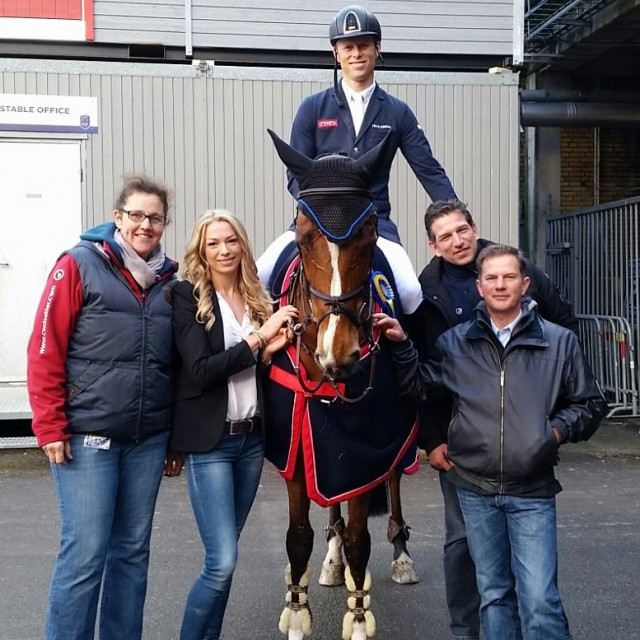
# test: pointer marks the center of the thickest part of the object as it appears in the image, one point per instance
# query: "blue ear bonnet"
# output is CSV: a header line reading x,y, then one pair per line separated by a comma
x,y
336,197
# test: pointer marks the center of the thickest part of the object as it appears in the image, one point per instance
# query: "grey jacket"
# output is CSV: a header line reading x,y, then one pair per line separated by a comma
x,y
506,400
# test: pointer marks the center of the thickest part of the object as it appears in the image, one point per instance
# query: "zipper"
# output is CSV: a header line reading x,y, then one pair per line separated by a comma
x,y
501,366
502,487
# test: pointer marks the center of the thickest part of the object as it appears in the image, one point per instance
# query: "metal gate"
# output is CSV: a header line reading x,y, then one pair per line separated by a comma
x,y
593,255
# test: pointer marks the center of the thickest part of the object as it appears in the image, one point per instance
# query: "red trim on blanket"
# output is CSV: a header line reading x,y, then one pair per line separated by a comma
x,y
312,486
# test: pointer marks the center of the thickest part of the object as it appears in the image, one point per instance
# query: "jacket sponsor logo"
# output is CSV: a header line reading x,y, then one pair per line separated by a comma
x,y
59,274
380,126
45,316
327,123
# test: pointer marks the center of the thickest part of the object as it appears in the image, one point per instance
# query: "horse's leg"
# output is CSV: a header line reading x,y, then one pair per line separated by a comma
x,y
358,623
332,573
295,620
402,567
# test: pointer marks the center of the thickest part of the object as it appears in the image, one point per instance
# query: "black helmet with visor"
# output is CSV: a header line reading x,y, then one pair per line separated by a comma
x,y
352,22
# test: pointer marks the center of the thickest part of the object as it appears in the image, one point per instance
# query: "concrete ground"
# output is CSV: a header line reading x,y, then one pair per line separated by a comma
x,y
599,544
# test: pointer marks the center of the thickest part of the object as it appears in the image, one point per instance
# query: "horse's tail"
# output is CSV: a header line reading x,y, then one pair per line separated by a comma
x,y
378,500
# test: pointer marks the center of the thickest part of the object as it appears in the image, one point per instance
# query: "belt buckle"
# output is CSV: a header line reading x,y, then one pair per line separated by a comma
x,y
240,427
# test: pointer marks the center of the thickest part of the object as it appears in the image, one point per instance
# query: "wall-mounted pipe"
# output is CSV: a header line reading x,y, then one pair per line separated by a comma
x,y
578,95
579,114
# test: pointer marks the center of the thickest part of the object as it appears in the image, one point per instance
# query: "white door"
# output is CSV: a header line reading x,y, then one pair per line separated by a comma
x,y
40,216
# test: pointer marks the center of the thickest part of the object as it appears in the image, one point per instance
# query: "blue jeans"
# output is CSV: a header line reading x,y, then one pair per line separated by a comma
x,y
222,485
463,599
106,499
515,536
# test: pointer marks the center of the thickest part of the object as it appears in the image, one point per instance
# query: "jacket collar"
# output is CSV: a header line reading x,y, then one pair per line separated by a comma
x,y
529,330
431,283
101,237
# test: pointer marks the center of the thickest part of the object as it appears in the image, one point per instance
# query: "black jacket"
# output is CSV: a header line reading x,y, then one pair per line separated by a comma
x,y
436,314
202,373
507,399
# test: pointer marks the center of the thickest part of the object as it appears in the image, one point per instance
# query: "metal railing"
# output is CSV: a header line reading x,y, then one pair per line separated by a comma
x,y
593,255
608,345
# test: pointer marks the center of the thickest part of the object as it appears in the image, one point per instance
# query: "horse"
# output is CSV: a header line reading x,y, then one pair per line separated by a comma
x,y
333,430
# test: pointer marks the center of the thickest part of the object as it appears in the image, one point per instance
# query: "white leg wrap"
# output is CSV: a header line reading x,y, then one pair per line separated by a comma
x,y
295,620
353,629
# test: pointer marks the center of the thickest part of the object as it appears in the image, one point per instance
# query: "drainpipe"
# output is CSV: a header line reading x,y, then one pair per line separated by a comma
x,y
188,29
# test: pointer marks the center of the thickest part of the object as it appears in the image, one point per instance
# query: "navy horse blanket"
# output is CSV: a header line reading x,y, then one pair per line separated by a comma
x,y
347,448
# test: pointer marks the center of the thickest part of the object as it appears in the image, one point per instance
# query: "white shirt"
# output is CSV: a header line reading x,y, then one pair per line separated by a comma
x,y
243,393
358,102
504,334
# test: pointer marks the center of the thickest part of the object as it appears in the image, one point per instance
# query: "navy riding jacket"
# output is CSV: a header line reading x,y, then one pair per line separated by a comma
x,y
323,125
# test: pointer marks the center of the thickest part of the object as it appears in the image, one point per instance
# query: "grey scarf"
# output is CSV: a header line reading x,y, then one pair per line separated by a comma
x,y
143,271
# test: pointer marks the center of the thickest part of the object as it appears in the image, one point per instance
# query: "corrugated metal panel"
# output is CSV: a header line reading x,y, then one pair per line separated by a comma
x,y
205,135
463,27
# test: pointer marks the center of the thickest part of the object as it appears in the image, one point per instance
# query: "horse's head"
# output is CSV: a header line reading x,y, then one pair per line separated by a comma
x,y
336,232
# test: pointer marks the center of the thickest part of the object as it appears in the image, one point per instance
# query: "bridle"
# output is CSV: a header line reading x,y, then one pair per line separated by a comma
x,y
335,306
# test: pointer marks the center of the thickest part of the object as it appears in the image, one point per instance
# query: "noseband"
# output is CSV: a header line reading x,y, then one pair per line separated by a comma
x,y
337,307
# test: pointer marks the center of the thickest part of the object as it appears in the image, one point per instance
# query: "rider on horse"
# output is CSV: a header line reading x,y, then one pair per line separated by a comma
x,y
352,117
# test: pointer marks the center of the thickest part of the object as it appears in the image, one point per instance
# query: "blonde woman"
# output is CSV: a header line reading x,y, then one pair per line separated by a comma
x,y
223,325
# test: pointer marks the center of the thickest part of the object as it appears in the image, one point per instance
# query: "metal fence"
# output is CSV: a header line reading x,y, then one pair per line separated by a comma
x,y
593,255
608,343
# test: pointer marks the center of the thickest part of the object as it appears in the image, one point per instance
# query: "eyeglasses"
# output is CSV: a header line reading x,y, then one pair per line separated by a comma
x,y
139,216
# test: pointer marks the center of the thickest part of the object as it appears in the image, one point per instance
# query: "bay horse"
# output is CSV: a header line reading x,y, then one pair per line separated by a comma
x,y
333,429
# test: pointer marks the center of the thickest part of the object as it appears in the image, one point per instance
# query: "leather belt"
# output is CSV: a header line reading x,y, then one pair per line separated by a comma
x,y
242,427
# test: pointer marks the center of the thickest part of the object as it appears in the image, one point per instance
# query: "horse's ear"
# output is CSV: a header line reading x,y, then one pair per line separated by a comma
x,y
367,163
295,161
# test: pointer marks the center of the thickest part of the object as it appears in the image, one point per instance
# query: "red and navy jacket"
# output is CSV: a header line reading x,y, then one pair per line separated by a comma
x,y
323,125
99,357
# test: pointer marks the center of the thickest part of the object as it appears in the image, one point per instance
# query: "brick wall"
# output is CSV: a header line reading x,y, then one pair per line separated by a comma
x,y
619,166
576,179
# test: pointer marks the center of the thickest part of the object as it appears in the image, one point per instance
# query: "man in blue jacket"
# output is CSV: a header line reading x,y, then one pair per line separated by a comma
x,y
354,116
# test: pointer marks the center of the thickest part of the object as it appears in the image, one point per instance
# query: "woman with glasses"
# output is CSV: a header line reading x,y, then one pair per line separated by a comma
x,y
98,378
225,332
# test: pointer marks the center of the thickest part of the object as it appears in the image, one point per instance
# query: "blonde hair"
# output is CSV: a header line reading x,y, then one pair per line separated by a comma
x,y
196,271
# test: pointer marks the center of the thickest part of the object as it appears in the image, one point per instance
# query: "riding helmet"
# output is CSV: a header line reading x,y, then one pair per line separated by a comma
x,y
352,22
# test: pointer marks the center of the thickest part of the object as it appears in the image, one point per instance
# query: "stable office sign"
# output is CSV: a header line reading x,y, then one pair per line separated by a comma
x,y
56,114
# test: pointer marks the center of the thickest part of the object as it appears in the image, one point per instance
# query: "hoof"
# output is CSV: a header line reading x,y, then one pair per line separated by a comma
x,y
403,570
332,574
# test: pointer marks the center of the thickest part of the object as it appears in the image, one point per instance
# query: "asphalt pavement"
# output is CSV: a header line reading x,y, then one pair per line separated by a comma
x,y
599,547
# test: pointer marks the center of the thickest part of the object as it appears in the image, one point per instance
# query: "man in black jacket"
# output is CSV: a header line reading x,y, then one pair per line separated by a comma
x,y
521,387
450,295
